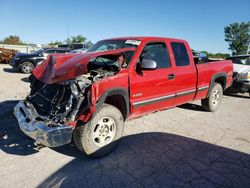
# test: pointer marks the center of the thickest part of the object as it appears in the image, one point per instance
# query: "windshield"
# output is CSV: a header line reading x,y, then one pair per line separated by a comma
x,y
105,45
113,62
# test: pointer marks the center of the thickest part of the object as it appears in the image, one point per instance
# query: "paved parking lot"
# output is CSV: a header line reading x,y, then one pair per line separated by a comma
x,y
179,147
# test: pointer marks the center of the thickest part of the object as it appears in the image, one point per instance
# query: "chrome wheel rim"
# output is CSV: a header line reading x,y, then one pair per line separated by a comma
x,y
104,131
216,97
26,68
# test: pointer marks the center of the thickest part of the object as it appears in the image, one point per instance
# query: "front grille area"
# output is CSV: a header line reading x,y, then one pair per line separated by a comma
x,y
48,99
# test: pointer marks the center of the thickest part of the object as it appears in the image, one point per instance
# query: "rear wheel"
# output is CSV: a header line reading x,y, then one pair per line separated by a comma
x,y
214,99
27,67
101,134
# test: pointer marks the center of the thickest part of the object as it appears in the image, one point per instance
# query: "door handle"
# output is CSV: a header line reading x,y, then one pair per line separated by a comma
x,y
171,76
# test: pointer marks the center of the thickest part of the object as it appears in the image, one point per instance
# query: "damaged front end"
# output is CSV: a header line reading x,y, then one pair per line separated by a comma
x,y
57,99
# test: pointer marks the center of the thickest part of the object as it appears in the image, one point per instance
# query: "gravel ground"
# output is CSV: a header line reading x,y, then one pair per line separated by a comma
x,y
180,147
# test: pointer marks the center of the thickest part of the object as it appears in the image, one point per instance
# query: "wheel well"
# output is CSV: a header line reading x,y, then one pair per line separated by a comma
x,y
222,81
27,61
119,102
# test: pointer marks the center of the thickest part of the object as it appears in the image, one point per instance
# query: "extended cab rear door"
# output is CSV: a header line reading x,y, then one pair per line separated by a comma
x,y
185,72
152,90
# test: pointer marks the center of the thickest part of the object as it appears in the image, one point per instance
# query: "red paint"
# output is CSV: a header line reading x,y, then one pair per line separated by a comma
x,y
152,84
58,68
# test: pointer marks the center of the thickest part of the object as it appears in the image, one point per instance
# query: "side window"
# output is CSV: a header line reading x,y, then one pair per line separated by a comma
x,y
180,54
157,52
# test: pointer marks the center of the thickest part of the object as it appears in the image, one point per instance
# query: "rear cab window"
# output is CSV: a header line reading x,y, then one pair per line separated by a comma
x,y
180,54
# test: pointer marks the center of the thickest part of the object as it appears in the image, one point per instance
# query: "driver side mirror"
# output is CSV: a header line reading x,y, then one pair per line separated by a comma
x,y
148,64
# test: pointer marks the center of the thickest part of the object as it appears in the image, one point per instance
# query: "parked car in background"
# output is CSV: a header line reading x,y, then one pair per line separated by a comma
x,y
241,75
27,62
74,46
199,57
78,51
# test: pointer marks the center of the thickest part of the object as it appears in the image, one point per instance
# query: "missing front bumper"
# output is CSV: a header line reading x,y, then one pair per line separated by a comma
x,y
38,130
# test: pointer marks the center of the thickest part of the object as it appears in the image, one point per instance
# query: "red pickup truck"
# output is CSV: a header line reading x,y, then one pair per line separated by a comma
x,y
89,96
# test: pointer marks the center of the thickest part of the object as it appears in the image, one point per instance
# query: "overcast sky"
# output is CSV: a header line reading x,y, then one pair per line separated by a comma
x,y
200,22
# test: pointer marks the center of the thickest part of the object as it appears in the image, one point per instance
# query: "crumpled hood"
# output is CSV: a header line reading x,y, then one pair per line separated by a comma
x,y
61,67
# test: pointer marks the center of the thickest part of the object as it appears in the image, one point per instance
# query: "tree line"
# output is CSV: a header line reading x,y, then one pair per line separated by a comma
x,y
73,40
15,40
238,37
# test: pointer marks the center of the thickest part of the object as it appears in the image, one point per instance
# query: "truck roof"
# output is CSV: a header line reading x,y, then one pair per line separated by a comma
x,y
145,38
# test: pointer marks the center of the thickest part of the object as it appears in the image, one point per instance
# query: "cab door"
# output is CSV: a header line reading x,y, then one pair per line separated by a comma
x,y
152,89
185,73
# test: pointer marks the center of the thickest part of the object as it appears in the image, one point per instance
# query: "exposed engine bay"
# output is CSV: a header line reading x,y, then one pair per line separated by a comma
x,y
62,102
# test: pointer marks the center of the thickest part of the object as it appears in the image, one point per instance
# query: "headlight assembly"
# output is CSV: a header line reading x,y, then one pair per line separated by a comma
x,y
244,75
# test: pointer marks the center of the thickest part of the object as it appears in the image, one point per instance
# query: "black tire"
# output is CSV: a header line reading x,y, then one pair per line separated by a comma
x,y
27,67
214,99
84,135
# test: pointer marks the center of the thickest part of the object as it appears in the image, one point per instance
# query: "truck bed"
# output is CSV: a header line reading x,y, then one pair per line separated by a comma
x,y
206,72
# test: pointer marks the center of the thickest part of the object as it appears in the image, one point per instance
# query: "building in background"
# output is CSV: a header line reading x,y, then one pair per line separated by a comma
x,y
22,48
29,48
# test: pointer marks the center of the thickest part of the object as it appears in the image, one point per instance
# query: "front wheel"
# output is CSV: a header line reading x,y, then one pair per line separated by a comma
x,y
214,99
27,67
101,134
